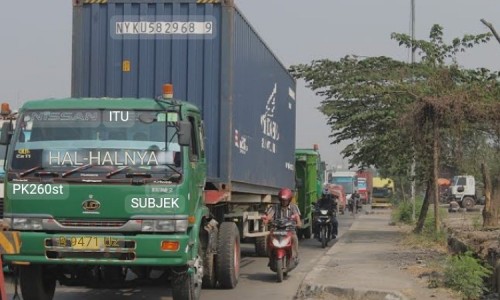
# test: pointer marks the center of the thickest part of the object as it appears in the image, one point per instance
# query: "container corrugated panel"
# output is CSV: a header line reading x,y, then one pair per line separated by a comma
x,y
214,59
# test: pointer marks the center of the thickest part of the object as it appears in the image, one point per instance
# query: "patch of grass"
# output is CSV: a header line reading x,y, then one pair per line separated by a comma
x,y
465,274
477,222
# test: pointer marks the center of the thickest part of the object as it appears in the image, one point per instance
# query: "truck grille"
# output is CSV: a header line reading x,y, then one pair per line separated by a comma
x,y
95,223
97,256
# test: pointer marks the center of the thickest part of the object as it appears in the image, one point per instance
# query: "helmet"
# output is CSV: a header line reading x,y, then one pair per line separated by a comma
x,y
285,196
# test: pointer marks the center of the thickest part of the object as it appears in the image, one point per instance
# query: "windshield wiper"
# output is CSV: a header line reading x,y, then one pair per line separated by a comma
x,y
47,173
138,174
138,181
116,171
72,171
29,171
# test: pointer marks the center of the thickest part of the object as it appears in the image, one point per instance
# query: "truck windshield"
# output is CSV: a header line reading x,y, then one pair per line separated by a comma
x,y
103,140
382,192
346,182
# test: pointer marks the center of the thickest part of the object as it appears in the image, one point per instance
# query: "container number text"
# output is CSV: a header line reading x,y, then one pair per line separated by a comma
x,y
164,28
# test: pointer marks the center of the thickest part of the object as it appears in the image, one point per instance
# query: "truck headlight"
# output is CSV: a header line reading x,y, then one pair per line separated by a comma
x,y
181,225
164,225
27,224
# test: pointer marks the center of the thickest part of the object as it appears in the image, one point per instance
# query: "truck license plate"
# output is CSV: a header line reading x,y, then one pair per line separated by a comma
x,y
87,242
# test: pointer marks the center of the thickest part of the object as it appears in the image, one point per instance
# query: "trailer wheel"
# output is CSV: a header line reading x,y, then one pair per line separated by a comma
x,y
37,283
468,202
227,262
261,246
186,285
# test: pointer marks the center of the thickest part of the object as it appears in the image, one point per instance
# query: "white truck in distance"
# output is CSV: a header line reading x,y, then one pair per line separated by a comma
x,y
464,192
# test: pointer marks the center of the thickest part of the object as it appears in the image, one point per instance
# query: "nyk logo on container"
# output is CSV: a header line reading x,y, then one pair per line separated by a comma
x,y
269,126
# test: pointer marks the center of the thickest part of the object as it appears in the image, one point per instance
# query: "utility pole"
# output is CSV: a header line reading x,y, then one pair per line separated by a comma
x,y
413,165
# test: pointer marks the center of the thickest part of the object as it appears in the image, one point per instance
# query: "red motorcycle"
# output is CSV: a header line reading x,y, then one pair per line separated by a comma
x,y
280,243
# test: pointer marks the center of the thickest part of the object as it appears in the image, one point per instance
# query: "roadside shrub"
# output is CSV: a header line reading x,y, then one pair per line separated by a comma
x,y
402,213
429,226
465,274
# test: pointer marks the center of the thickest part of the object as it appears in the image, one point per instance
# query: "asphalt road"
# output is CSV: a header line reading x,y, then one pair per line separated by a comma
x,y
256,281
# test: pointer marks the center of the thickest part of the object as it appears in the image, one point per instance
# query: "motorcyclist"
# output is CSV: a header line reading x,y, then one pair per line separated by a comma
x,y
329,202
286,209
355,200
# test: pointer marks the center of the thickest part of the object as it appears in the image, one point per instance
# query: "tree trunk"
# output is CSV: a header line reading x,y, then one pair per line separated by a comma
x,y
489,212
435,173
495,197
424,209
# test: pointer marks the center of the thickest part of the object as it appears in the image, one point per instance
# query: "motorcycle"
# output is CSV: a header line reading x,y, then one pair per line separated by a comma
x,y
323,226
280,243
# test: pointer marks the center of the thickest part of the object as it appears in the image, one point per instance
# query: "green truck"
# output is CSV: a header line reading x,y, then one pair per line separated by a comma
x,y
309,170
67,169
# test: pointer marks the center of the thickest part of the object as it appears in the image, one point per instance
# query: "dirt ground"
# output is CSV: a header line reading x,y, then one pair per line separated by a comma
x,y
426,262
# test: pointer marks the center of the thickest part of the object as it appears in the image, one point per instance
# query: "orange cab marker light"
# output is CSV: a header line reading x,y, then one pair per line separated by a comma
x,y
192,219
168,91
170,246
5,109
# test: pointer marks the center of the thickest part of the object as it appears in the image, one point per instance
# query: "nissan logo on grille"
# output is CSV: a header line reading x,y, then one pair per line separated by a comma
x,y
91,205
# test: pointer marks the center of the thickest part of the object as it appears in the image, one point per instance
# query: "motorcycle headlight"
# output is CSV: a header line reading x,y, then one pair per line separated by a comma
x,y
280,243
324,211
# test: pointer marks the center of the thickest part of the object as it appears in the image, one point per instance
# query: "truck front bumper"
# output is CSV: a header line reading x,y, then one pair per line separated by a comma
x,y
99,249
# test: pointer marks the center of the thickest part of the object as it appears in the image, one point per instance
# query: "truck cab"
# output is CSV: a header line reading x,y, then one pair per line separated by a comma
x,y
463,191
99,187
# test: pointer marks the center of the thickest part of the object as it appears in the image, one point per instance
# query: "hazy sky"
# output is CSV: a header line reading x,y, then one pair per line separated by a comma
x,y
35,43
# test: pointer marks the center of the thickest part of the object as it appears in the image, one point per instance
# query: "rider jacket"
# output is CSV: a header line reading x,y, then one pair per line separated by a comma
x,y
327,203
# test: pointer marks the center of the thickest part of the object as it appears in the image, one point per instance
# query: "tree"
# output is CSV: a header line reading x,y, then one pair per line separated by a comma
x,y
393,111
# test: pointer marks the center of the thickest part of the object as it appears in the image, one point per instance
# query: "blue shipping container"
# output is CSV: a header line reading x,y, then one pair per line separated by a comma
x,y
215,60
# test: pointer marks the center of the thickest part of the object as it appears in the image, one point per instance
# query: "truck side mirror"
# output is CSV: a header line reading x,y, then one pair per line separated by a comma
x,y
460,189
184,133
6,133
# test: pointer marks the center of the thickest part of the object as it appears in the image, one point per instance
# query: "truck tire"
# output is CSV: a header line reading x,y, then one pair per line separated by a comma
x,y
186,286
37,283
227,262
261,246
209,279
468,202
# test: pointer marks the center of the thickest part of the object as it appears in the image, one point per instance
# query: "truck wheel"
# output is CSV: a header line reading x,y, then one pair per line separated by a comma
x,y
261,246
468,202
227,262
186,285
37,283
209,279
